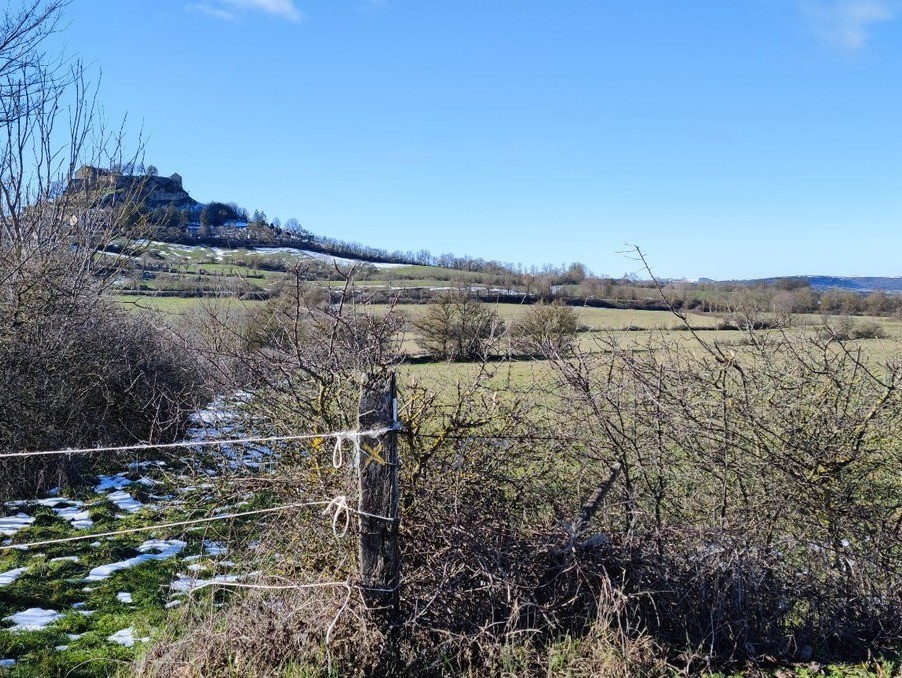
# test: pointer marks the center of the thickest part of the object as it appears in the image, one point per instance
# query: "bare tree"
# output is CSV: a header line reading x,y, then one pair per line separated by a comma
x,y
50,226
73,368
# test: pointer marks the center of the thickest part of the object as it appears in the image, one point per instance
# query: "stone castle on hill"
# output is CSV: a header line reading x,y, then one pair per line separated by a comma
x,y
154,191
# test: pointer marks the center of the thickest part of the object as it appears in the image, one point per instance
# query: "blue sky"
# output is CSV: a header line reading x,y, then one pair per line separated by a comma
x,y
728,138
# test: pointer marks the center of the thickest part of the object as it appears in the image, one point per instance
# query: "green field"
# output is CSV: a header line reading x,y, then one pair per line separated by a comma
x,y
180,305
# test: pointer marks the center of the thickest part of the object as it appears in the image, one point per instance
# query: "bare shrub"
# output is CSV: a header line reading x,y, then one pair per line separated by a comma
x,y
845,329
457,326
869,329
545,329
92,377
755,509
489,581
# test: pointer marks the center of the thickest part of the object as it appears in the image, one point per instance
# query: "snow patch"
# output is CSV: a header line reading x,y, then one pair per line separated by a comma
x,y
124,501
126,637
146,464
10,576
124,597
71,511
12,524
165,548
33,619
107,483
186,583
215,548
67,509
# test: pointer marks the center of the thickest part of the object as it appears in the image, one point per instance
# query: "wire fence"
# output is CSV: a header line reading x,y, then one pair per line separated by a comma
x,y
338,510
338,436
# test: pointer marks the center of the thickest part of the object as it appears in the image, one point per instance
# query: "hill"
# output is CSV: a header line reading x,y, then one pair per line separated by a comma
x,y
821,283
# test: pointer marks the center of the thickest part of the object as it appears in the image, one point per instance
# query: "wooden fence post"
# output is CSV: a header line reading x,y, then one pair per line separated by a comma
x,y
380,556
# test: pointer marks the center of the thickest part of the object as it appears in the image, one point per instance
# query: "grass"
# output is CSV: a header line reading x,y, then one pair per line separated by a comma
x,y
91,609
633,329
179,305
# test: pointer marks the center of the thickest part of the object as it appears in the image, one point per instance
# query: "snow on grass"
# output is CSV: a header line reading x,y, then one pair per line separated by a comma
x,y
10,576
63,559
124,597
12,524
320,256
33,619
7,663
126,637
79,519
164,548
107,483
217,413
215,548
124,501
147,463
67,509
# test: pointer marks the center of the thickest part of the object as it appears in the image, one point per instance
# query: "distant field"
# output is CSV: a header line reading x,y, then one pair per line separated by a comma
x,y
184,269
178,305
592,319
631,329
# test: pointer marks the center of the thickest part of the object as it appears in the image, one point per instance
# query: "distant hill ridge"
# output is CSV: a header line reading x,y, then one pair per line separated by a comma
x,y
167,193
851,283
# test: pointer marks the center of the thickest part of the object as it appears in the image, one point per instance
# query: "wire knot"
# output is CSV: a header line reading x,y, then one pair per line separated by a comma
x,y
338,450
339,507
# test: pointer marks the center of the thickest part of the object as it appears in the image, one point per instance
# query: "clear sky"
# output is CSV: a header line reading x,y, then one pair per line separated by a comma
x,y
728,138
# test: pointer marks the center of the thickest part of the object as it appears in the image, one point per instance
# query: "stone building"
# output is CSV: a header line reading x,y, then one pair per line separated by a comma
x,y
154,191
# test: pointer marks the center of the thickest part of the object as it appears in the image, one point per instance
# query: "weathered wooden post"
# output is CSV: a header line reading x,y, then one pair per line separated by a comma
x,y
380,556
